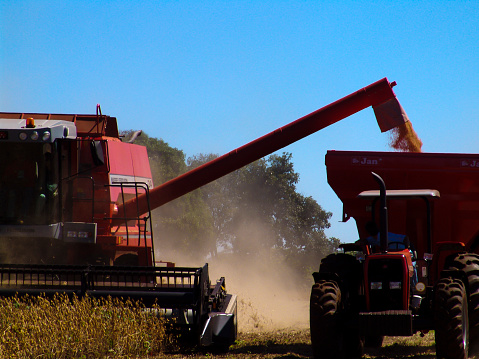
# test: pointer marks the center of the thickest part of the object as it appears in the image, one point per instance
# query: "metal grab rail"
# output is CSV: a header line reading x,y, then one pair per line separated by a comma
x,y
142,219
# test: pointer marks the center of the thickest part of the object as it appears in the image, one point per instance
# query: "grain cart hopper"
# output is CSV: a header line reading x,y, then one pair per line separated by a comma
x,y
76,210
428,280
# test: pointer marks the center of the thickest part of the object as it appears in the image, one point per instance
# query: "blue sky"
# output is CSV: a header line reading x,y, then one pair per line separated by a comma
x,y
210,76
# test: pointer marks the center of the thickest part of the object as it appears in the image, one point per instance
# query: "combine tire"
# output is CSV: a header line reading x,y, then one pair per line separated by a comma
x,y
469,264
324,321
451,319
126,260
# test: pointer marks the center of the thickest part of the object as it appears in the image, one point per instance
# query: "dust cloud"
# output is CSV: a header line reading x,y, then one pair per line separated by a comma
x,y
269,296
404,138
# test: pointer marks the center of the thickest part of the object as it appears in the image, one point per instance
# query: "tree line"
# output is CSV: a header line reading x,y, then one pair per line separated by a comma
x,y
254,210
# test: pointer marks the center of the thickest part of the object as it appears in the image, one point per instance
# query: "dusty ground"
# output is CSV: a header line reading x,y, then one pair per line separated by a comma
x,y
291,344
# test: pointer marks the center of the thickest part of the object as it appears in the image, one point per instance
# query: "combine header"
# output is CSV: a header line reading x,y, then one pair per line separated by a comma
x,y
76,210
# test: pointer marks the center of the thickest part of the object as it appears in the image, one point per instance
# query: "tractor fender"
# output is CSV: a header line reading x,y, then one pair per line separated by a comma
x,y
328,276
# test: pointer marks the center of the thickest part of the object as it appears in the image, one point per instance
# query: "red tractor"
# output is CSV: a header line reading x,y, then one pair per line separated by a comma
x,y
76,210
419,271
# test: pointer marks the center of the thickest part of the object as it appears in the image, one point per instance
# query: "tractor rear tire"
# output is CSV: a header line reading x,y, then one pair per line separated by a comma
x,y
451,319
469,264
324,321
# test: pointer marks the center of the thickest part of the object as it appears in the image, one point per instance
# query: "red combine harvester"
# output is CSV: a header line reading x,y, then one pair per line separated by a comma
x,y
76,210
421,273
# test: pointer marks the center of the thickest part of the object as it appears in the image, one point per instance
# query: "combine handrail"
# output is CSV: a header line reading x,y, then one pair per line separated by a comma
x,y
125,218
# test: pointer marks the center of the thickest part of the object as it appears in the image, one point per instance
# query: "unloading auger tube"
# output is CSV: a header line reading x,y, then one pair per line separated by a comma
x,y
389,114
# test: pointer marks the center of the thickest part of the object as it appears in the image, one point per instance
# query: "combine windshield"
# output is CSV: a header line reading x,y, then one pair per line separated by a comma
x,y
28,183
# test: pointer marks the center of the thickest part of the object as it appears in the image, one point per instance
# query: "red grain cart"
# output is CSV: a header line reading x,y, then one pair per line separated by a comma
x,y
429,280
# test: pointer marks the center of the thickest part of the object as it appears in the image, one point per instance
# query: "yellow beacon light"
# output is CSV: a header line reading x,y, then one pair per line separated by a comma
x,y
30,122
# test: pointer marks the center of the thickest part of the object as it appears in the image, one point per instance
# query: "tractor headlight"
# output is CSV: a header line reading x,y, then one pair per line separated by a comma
x,y
376,285
420,287
395,285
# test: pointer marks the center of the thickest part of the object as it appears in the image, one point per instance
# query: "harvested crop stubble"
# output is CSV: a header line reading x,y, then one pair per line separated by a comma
x,y
37,327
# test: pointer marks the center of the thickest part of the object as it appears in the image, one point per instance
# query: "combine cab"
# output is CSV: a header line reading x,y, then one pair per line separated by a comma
x,y
419,270
76,210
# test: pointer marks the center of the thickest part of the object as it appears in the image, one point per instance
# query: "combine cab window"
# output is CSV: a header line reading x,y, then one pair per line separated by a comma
x,y
28,183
